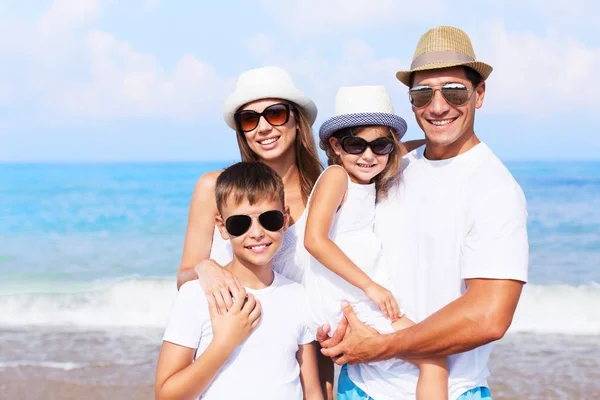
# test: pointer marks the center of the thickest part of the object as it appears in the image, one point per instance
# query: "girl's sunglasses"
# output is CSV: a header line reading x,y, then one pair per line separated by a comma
x,y
357,145
456,94
237,225
276,115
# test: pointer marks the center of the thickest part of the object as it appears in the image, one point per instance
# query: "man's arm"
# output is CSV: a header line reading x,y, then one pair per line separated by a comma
x,y
309,374
481,315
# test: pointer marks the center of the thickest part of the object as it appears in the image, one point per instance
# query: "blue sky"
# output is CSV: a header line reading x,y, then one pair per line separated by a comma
x,y
144,80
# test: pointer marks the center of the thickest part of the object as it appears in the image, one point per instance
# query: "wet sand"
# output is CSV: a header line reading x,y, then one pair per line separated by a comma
x,y
120,366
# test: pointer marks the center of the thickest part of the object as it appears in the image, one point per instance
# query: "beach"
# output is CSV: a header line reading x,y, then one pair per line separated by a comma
x,y
88,255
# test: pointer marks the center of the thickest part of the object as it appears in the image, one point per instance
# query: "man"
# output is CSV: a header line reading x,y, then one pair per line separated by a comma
x,y
454,232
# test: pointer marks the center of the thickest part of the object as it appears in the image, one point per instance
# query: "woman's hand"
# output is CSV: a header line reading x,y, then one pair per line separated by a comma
x,y
233,327
219,285
384,299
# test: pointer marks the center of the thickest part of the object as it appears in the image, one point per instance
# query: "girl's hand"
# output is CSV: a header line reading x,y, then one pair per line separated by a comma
x,y
233,327
218,284
384,299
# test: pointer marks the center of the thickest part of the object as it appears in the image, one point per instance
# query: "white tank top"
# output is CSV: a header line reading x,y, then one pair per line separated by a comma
x,y
290,260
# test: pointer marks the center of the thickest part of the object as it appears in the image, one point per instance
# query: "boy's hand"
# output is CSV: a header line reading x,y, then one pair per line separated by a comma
x,y
233,327
384,299
219,285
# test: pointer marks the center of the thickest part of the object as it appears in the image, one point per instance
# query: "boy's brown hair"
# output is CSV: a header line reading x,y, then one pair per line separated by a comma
x,y
248,180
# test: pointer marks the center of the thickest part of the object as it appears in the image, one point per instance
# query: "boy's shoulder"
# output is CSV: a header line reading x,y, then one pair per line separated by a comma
x,y
192,291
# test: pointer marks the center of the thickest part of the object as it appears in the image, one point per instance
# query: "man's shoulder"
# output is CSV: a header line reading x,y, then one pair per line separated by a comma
x,y
491,178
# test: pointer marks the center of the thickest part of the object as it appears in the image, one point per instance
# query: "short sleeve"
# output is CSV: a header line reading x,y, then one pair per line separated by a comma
x,y
189,313
307,334
496,244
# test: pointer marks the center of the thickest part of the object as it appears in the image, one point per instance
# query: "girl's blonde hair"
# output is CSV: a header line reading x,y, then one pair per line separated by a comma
x,y
390,175
307,160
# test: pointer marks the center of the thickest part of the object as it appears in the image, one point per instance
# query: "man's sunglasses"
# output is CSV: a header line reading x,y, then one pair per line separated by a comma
x,y
456,94
237,225
357,145
276,115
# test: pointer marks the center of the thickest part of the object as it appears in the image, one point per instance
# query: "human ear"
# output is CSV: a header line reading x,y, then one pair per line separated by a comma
x,y
286,218
480,93
335,145
221,226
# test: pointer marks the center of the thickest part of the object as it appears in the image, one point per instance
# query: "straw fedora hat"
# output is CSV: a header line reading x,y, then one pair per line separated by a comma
x,y
266,83
360,106
444,47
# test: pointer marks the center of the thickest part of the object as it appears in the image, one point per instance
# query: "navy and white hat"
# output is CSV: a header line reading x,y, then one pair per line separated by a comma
x,y
359,106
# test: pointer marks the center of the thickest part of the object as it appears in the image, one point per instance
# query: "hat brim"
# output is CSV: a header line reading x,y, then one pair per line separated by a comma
x,y
257,92
482,68
362,119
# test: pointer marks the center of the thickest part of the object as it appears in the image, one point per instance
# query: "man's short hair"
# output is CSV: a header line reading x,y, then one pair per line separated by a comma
x,y
472,75
248,180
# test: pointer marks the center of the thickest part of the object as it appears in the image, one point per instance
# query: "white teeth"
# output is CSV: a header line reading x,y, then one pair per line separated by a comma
x,y
442,123
260,247
366,165
268,141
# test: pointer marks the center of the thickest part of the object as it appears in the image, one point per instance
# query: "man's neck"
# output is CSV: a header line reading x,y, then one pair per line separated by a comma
x,y
460,146
250,275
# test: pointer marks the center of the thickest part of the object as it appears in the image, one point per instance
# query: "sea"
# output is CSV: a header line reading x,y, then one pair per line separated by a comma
x,y
89,254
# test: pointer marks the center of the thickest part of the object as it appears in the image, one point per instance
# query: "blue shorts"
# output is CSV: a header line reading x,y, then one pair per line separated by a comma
x,y
347,390
479,393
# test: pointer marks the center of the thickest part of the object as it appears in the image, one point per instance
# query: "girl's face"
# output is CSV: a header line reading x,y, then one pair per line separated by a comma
x,y
362,168
270,141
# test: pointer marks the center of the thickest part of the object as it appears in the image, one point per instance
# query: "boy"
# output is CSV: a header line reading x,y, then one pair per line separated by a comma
x,y
262,347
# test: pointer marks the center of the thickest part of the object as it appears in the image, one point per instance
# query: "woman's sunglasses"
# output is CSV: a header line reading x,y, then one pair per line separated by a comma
x,y
276,115
237,225
357,145
456,94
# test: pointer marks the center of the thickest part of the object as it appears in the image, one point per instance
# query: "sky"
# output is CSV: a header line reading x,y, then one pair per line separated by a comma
x,y
144,80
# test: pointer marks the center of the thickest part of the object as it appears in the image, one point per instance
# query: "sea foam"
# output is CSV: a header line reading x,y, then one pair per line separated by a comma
x,y
146,303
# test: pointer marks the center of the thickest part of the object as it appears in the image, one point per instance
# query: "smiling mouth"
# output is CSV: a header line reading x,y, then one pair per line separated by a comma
x,y
366,165
441,122
268,141
258,247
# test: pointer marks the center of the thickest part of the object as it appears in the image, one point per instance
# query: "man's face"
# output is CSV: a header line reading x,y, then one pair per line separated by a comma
x,y
257,245
442,122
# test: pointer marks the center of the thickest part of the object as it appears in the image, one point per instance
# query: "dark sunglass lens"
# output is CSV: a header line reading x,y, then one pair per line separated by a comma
x,y
237,225
382,146
248,120
271,220
277,114
456,96
420,97
354,145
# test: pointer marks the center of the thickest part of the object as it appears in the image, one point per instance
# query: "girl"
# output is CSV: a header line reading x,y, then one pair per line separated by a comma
x,y
362,143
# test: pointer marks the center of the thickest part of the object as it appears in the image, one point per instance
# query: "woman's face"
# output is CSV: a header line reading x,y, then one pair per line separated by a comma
x,y
267,141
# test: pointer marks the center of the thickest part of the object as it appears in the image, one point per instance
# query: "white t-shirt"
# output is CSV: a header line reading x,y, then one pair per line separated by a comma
x,y
445,222
265,365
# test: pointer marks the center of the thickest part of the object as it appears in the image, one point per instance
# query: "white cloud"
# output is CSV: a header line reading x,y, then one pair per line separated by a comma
x,y
128,83
539,74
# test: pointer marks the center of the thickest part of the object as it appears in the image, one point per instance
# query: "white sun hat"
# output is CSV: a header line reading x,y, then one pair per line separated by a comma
x,y
266,83
360,106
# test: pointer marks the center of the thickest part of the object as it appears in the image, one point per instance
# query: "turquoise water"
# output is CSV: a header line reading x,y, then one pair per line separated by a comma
x,y
105,221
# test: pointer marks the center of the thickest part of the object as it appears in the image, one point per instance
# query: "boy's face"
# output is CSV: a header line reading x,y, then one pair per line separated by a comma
x,y
258,244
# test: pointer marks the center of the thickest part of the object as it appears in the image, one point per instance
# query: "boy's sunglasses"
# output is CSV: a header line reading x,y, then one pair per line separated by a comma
x,y
237,225
357,145
276,115
456,94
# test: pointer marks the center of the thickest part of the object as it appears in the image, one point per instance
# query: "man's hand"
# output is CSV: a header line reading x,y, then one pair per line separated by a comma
x,y
352,342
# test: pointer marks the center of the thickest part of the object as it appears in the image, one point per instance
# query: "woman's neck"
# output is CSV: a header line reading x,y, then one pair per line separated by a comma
x,y
287,169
